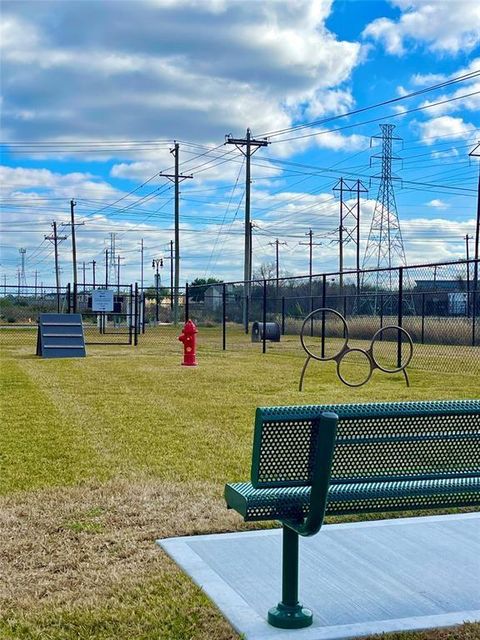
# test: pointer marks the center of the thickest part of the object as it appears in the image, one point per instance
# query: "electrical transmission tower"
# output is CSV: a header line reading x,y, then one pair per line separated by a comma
x,y
385,249
23,277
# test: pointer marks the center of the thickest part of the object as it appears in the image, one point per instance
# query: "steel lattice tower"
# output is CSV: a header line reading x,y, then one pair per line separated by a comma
x,y
385,249
23,277
112,260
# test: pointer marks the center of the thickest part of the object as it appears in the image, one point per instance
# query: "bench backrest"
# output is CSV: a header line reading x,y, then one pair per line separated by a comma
x,y
374,442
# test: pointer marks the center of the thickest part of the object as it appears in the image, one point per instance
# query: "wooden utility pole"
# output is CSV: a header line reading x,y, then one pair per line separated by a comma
x,y
141,265
467,254
276,243
251,145
467,239
476,152
93,263
55,238
106,268
74,254
176,178
157,263
171,274
310,245
118,273
72,225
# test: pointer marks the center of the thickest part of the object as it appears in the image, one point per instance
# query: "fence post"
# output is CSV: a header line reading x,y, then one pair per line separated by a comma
x,y
324,302
74,297
283,315
474,316
400,315
381,311
129,315
311,308
144,308
224,319
135,311
264,318
187,310
423,318
67,293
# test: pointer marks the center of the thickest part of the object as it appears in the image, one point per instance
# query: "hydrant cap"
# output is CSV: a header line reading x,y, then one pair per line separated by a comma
x,y
190,328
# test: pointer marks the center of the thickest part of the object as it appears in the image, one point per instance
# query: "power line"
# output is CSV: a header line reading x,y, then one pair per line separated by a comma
x,y
314,123
392,115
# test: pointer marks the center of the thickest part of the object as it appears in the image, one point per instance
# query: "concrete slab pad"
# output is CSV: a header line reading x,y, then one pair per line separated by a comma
x,y
358,578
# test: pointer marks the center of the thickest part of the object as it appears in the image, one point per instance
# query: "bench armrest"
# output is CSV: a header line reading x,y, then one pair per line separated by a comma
x,y
327,429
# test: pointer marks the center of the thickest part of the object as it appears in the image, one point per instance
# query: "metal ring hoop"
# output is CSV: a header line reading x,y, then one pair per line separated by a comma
x,y
309,317
409,342
356,384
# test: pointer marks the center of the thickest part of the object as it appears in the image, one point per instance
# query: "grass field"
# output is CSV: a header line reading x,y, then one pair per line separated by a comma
x,y
100,456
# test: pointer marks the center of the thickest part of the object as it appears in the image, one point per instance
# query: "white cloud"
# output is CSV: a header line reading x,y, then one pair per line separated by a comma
x,y
23,182
160,69
443,27
336,141
469,103
437,204
445,154
426,79
439,238
399,109
444,126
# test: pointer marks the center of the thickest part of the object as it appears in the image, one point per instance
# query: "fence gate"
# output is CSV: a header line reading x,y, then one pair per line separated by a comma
x,y
110,316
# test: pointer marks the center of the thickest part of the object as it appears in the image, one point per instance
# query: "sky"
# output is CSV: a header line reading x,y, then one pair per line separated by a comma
x,y
94,94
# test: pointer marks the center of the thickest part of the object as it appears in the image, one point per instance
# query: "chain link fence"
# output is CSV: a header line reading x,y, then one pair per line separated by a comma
x,y
438,304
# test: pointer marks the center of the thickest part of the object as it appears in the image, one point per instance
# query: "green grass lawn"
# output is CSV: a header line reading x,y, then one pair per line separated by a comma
x,y
102,455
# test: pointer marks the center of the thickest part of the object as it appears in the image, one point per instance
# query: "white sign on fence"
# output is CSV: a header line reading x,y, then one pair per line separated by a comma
x,y
102,300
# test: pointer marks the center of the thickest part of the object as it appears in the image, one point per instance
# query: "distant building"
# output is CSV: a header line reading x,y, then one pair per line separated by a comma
x,y
214,294
440,285
442,297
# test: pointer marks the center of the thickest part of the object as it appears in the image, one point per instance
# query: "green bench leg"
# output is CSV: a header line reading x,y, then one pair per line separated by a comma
x,y
289,613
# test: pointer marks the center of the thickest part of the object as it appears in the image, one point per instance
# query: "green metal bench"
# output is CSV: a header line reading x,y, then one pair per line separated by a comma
x,y
312,461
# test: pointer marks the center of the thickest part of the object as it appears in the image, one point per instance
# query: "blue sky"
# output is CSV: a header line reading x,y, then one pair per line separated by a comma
x,y
94,94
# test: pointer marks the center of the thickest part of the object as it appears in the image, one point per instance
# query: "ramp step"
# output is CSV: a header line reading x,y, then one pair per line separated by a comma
x,y
62,346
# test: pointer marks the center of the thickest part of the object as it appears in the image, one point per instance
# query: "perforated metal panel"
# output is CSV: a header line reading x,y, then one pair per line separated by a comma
x,y
293,503
375,442
286,452
388,457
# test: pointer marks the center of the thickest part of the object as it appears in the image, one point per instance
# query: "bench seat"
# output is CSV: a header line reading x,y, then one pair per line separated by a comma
x,y
313,461
293,503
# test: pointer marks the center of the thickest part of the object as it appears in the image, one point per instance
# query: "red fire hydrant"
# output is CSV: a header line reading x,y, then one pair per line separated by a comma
x,y
189,340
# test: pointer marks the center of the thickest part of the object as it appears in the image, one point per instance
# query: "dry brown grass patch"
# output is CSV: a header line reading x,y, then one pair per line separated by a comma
x,y
61,546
